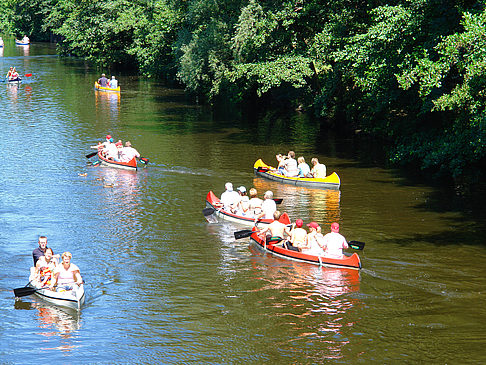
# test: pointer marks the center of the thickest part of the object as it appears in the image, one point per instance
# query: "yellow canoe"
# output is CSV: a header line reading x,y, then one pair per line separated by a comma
x,y
329,182
100,88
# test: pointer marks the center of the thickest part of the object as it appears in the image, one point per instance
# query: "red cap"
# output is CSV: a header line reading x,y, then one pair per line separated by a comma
x,y
118,144
313,225
108,136
299,223
335,227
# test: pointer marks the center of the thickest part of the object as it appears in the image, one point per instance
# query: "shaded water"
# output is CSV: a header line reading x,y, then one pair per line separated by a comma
x,y
165,286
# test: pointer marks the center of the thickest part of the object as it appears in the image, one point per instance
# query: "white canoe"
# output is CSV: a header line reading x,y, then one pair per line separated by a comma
x,y
66,298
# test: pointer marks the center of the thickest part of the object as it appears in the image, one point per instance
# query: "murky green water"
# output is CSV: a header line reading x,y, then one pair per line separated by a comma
x,y
164,286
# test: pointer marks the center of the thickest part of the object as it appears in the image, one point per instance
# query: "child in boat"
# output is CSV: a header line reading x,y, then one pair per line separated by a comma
x,y
45,267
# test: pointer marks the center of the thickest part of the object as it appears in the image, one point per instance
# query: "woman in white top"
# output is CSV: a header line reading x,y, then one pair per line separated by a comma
x,y
314,240
255,202
67,273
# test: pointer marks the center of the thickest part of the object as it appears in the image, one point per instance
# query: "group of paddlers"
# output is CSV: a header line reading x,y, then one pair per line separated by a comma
x,y
289,167
115,150
47,272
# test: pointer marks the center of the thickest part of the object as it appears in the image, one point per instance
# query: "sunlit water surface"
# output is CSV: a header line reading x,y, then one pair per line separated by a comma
x,y
164,286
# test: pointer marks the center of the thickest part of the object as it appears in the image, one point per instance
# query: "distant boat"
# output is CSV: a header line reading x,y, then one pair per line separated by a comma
x,y
101,88
21,43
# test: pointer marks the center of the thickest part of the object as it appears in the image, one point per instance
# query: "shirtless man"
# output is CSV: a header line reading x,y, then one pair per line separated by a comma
x,y
276,229
298,237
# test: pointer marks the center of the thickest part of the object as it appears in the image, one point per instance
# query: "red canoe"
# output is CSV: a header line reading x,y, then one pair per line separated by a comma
x,y
130,165
348,262
213,202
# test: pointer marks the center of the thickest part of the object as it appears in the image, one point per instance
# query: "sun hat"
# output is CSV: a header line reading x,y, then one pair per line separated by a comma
x,y
313,225
299,223
335,227
242,189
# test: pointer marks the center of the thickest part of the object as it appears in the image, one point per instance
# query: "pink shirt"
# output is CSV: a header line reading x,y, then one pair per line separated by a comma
x,y
128,153
66,276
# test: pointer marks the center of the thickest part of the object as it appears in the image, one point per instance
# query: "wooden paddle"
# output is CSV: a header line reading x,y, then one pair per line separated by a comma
x,y
278,200
26,290
356,245
89,155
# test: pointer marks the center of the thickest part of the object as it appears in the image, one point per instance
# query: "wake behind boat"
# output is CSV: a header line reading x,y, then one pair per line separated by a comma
x,y
329,182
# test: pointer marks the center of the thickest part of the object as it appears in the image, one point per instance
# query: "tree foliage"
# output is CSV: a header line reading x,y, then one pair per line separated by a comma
x,y
410,71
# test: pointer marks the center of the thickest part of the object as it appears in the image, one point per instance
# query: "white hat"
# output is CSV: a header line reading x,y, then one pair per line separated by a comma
x,y
242,189
268,195
228,186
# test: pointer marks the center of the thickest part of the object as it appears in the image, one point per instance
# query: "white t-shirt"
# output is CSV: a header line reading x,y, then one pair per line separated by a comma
x,y
291,167
335,242
230,198
66,276
127,153
113,83
111,151
269,207
319,171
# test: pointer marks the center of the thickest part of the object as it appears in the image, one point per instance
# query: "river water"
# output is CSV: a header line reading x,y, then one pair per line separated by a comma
x,y
165,286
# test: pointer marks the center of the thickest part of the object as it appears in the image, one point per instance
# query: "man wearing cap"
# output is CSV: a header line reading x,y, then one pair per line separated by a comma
x,y
103,81
334,242
268,207
298,237
110,150
229,198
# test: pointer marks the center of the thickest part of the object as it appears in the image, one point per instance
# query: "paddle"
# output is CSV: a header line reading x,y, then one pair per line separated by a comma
x,y
26,290
243,233
208,211
89,155
356,245
144,160
28,75
262,169
278,200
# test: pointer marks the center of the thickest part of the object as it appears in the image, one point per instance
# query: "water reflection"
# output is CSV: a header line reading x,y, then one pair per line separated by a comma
x,y
12,91
323,205
316,300
54,321
107,102
25,49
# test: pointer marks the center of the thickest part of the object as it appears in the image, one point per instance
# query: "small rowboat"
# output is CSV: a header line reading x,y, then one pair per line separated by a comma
x,y
98,87
20,43
130,165
347,262
18,80
213,207
329,182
